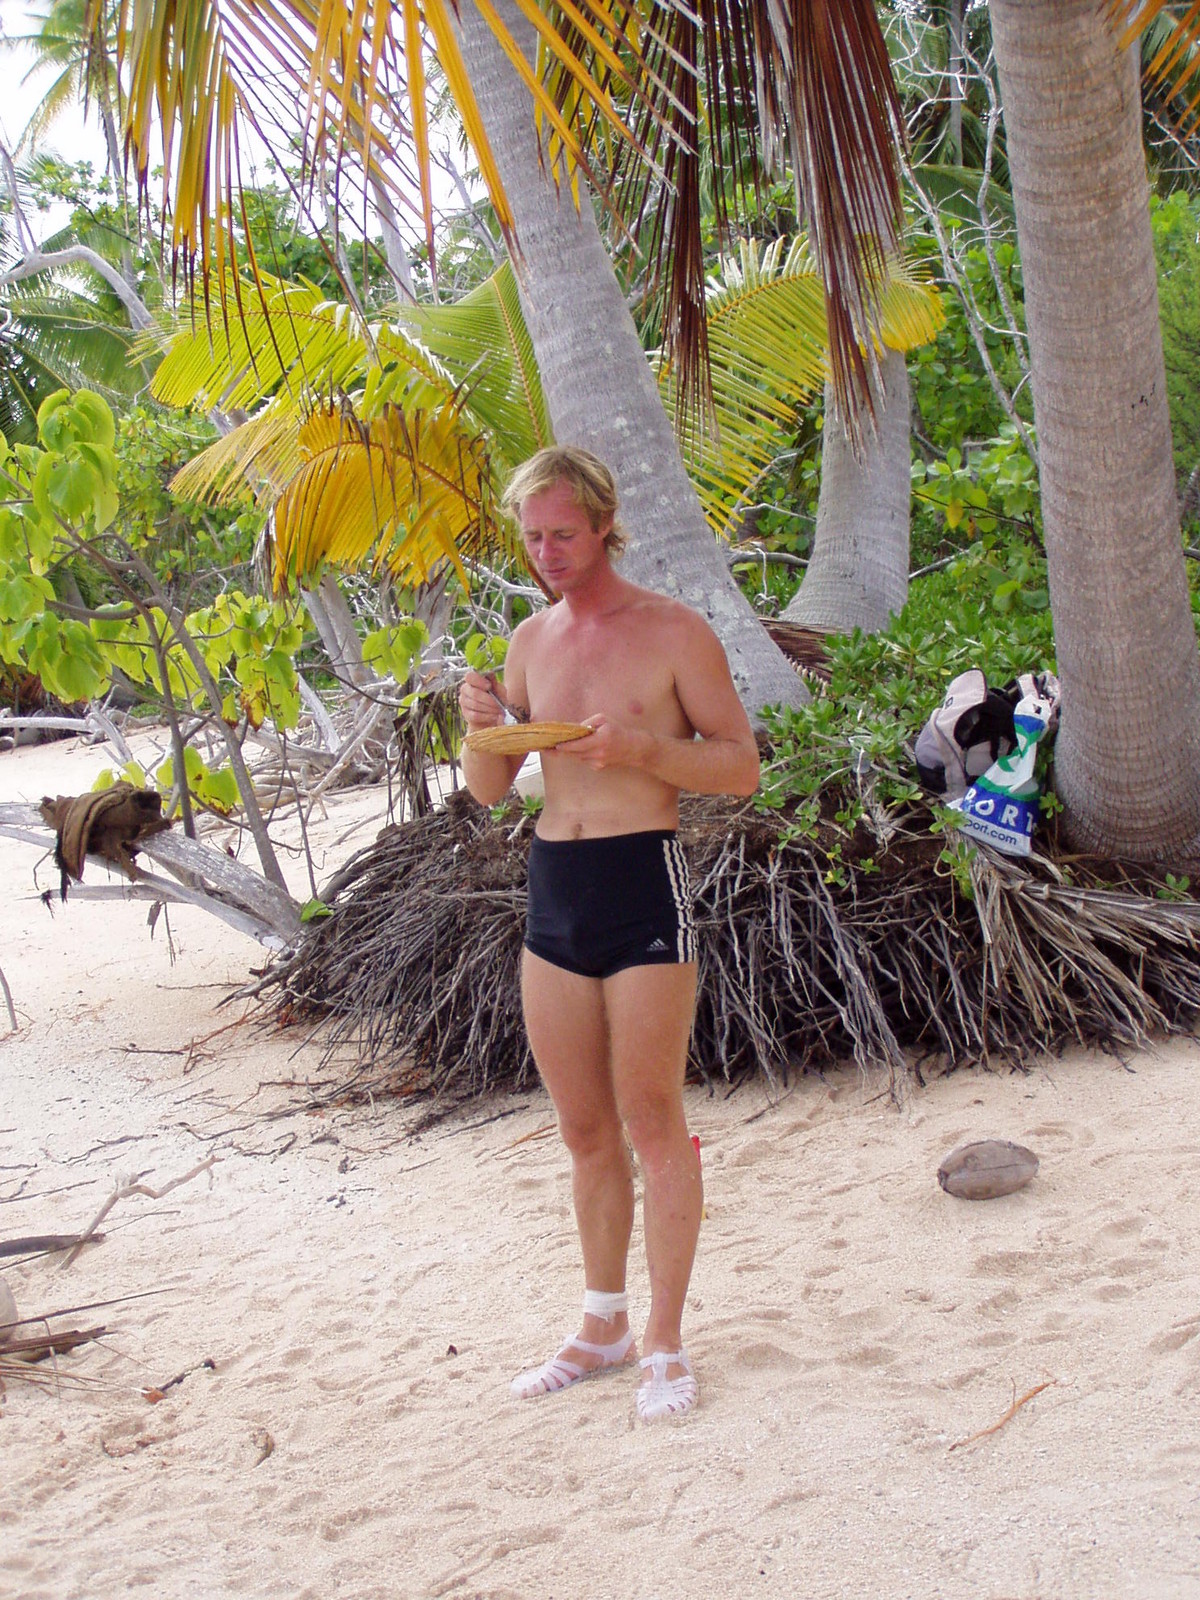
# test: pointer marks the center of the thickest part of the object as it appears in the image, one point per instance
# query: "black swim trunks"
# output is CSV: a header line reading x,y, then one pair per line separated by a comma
x,y
597,906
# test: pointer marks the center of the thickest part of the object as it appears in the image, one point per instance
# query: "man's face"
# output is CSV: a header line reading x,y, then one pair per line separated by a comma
x,y
559,538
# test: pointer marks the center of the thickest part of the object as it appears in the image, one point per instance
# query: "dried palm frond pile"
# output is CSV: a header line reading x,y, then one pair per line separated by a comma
x,y
982,959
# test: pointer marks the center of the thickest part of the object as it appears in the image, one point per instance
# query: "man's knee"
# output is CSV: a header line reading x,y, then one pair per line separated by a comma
x,y
655,1122
588,1134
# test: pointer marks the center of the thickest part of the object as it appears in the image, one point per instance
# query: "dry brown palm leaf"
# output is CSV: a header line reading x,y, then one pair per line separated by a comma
x,y
808,84
521,738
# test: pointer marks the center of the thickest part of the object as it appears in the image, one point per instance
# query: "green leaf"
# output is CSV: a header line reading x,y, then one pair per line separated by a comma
x,y
219,790
96,415
65,487
81,672
49,430
23,597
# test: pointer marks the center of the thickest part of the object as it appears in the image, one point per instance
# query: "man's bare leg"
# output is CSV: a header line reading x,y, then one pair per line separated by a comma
x,y
649,1011
568,1033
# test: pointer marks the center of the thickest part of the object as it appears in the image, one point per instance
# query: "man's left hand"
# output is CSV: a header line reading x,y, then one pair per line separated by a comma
x,y
609,745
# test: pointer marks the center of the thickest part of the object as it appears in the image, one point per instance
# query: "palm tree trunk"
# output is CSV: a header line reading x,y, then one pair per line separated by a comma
x,y
954,32
1128,755
858,574
599,389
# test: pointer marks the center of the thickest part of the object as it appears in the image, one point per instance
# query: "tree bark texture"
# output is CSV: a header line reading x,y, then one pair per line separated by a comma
x,y
1128,752
599,388
858,574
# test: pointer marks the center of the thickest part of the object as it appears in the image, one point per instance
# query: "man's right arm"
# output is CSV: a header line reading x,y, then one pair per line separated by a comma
x,y
489,777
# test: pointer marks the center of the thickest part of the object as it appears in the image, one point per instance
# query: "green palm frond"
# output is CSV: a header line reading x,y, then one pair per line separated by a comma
x,y
955,191
407,492
769,346
52,338
482,341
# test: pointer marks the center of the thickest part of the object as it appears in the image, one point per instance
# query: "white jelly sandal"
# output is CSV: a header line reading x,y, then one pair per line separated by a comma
x,y
560,1371
662,1396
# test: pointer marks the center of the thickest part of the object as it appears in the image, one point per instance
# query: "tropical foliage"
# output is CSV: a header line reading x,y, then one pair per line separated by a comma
x,y
448,377
814,84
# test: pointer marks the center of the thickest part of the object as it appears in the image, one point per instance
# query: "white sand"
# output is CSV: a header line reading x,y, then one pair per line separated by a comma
x,y
849,1322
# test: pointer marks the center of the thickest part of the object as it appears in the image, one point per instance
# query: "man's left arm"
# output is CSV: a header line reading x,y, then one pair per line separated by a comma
x,y
723,760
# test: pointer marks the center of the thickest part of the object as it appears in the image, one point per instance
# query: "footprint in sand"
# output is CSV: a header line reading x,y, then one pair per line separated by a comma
x,y
763,1355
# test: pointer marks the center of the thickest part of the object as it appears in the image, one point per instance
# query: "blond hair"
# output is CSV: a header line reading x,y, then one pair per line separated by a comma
x,y
592,486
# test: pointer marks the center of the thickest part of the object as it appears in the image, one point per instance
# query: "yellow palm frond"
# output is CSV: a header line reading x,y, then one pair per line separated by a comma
x,y
769,348
292,344
289,336
263,454
204,74
407,492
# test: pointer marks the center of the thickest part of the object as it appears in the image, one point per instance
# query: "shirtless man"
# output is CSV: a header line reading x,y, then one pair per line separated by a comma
x,y
608,978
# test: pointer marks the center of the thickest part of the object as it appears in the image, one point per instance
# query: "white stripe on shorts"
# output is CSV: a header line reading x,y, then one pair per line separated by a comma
x,y
681,893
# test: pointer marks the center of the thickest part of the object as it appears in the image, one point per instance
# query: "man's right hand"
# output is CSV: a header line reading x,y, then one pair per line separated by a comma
x,y
480,701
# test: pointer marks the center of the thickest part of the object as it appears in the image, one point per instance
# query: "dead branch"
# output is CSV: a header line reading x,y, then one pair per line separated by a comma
x,y
1008,1415
8,1001
123,1192
205,877
45,1243
38,1346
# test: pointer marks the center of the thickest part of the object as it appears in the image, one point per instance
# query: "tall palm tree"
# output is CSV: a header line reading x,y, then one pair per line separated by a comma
x,y
1128,754
600,391
81,74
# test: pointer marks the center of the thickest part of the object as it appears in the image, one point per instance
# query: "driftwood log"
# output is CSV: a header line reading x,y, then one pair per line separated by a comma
x,y
200,876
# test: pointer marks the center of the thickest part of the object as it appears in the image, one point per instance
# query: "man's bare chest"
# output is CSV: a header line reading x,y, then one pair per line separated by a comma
x,y
626,676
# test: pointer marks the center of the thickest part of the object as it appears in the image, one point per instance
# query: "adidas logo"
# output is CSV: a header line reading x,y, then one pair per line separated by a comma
x,y
656,947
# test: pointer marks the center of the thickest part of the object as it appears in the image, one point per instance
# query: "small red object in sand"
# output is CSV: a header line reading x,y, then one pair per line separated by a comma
x,y
696,1145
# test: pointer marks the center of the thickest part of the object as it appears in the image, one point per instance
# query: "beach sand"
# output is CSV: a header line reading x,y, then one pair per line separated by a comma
x,y
364,1297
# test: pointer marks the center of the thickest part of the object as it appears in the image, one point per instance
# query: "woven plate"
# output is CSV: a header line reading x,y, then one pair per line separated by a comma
x,y
519,738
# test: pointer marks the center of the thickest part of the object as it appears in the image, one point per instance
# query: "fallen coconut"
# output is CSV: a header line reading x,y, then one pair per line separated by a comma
x,y
987,1168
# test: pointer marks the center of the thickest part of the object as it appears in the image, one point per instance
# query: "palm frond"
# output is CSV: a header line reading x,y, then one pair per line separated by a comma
x,y
1173,67
483,342
262,454
203,74
54,337
770,348
407,492
289,336
955,191
479,346
808,84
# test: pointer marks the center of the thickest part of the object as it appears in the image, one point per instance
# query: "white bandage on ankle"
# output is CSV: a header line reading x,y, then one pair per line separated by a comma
x,y
603,1304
